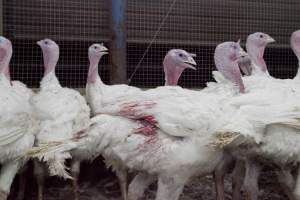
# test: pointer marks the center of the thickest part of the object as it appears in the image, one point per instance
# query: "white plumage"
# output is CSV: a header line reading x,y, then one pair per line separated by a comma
x,y
63,112
17,123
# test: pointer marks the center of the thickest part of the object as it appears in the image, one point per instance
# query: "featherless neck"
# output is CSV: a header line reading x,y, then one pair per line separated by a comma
x,y
4,66
230,70
49,69
50,61
257,56
171,70
172,75
7,73
93,74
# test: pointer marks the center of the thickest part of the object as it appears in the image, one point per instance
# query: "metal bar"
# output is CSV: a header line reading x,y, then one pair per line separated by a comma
x,y
118,72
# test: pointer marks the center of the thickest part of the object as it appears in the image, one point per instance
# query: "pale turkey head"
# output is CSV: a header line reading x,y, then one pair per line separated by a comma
x,y
96,51
175,62
255,45
295,43
5,55
226,58
50,54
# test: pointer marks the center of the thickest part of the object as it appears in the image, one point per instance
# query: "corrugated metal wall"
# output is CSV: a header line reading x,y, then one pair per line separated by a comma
x,y
194,25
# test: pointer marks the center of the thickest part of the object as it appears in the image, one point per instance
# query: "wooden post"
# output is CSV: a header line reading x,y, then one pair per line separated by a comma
x,y
118,72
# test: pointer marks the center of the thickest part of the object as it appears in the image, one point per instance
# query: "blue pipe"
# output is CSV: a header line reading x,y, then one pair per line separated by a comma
x,y
118,12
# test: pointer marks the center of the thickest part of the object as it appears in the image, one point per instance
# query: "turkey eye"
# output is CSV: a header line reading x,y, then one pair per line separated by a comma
x,y
95,47
180,55
46,42
261,36
235,47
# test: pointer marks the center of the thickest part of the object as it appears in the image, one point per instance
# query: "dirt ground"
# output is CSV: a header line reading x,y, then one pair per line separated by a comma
x,y
96,183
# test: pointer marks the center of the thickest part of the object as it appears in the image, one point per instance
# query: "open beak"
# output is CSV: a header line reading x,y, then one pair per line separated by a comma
x,y
104,50
191,63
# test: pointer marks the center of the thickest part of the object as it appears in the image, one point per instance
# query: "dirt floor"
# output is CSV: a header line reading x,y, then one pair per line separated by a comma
x,y
96,183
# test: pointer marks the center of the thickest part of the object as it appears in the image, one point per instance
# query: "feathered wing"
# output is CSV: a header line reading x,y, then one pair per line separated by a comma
x,y
13,127
99,95
14,116
182,113
100,139
250,122
65,115
17,124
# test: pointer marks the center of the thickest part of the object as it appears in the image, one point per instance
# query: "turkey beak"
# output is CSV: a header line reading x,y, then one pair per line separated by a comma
x,y
39,43
191,63
270,39
104,50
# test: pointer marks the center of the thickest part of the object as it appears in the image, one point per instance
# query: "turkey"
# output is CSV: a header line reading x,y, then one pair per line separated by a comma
x,y
17,123
26,94
273,136
64,114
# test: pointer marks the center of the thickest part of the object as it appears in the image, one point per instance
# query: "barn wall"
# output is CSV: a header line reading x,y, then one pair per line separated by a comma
x,y
194,25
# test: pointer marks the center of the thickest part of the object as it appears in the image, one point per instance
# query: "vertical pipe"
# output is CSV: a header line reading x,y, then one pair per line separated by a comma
x,y
118,72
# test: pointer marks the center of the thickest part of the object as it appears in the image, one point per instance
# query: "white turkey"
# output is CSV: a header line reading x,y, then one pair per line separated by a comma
x,y
17,123
276,129
26,93
64,114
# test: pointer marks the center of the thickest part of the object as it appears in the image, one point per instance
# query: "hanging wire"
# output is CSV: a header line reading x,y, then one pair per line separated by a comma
x,y
152,41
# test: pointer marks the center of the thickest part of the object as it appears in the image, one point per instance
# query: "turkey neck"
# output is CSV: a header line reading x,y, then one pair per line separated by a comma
x,y
50,61
172,71
172,75
50,81
231,71
93,73
4,62
7,73
257,56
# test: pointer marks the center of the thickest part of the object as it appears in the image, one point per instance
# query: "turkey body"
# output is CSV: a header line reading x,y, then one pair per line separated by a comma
x,y
18,129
